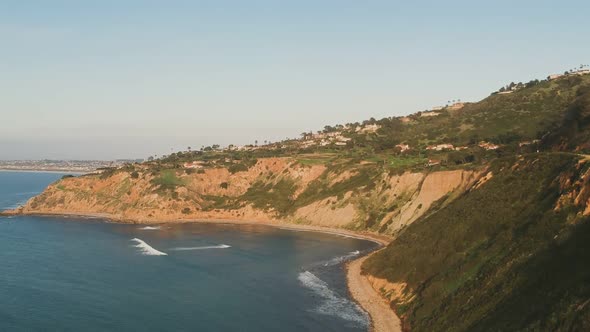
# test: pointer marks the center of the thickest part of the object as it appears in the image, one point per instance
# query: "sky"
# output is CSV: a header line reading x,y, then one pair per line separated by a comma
x,y
130,79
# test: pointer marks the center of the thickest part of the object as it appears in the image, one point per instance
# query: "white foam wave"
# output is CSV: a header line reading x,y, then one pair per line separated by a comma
x,y
27,193
340,259
146,249
333,304
13,205
348,236
220,246
150,228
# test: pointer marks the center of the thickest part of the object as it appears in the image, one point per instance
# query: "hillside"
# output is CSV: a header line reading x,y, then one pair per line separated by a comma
x,y
360,197
498,259
487,202
532,118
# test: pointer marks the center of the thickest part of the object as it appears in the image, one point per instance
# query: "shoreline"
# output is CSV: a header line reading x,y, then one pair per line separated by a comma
x,y
382,240
382,317
77,172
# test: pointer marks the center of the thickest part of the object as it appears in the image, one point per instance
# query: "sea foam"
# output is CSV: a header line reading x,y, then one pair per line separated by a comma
x,y
146,249
343,258
220,246
150,228
332,303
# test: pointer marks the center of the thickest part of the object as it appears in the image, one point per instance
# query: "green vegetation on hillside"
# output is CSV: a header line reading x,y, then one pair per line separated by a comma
x,y
535,111
167,180
499,258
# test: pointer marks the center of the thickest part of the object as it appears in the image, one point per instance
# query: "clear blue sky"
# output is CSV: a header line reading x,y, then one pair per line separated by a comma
x,y
116,79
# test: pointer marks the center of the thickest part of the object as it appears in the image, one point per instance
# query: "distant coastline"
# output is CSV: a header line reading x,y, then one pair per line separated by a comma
x,y
60,171
61,166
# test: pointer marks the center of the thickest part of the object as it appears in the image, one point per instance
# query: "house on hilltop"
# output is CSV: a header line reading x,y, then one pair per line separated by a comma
x,y
456,106
429,113
488,145
433,162
368,128
440,147
403,147
194,165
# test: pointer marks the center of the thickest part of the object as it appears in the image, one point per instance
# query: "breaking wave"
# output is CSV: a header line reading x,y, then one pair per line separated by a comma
x,y
27,193
13,203
332,303
146,249
340,259
220,246
150,228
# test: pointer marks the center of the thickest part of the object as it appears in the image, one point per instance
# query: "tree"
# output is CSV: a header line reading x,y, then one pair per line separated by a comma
x,y
256,143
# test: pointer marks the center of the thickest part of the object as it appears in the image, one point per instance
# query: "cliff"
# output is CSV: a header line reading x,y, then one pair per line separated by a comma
x,y
361,197
509,254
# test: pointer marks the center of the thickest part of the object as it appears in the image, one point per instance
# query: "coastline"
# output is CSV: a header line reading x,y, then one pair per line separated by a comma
x,y
57,171
383,318
382,240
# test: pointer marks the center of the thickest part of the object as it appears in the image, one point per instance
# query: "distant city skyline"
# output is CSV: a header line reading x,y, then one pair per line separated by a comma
x,y
116,80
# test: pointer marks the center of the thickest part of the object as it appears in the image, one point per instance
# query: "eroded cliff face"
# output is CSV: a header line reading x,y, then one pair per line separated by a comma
x,y
274,189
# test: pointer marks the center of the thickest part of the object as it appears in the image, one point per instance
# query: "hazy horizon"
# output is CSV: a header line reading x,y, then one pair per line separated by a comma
x,y
112,81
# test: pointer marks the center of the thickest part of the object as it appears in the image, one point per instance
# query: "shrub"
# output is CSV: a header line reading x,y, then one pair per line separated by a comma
x,y
234,168
168,180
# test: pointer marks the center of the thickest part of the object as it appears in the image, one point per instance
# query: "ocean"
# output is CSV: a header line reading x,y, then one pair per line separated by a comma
x,y
75,274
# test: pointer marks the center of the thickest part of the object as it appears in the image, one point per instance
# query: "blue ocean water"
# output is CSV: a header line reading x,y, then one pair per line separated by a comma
x,y
68,274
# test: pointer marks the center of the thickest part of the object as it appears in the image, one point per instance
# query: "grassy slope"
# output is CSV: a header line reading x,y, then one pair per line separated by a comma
x,y
523,115
498,258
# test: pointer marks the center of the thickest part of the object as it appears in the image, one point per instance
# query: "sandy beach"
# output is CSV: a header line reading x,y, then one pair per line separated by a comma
x,y
383,319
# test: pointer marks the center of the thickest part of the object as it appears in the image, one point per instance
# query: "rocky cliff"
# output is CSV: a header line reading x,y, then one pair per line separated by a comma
x,y
356,197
